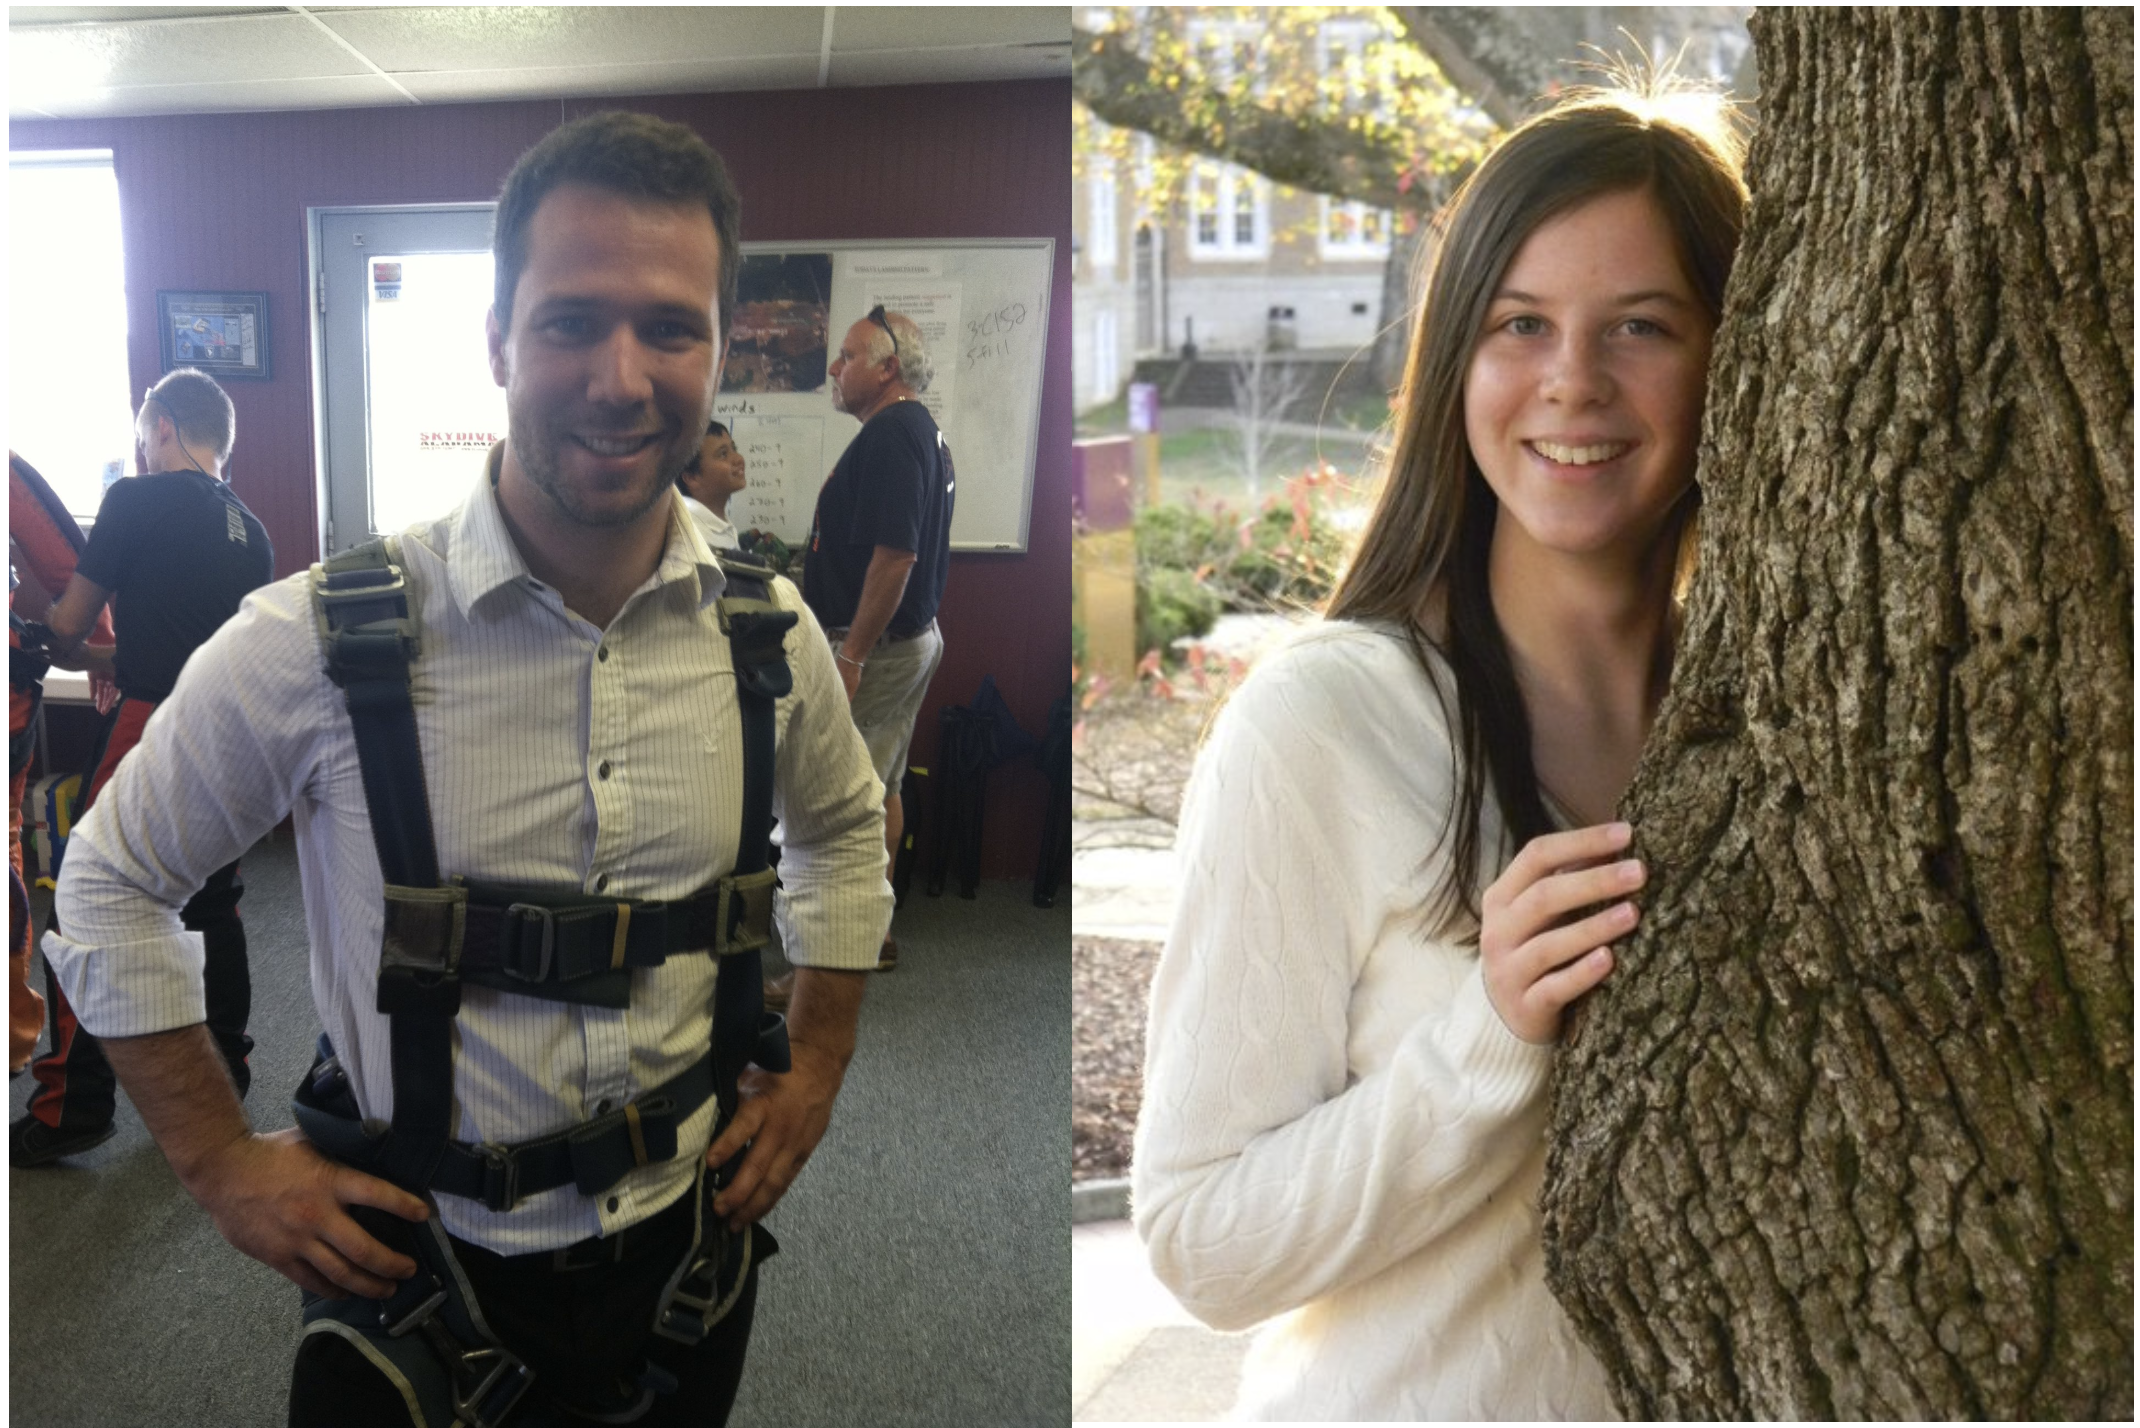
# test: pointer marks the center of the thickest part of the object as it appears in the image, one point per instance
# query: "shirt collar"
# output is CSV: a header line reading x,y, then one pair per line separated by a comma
x,y
481,557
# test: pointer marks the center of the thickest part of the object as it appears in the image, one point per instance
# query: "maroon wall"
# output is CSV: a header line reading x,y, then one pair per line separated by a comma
x,y
217,202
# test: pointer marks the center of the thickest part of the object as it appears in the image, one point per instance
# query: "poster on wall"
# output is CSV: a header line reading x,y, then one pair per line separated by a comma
x,y
222,334
981,308
777,342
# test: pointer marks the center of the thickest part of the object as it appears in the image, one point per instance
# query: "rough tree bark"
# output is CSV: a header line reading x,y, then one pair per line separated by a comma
x,y
1849,1133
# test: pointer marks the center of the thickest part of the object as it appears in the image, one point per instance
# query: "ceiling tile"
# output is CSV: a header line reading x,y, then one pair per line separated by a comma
x,y
21,15
915,27
179,59
947,66
445,37
567,81
268,46
234,96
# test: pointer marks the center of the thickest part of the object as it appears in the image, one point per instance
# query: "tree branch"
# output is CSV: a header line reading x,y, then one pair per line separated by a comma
x,y
1487,54
1121,86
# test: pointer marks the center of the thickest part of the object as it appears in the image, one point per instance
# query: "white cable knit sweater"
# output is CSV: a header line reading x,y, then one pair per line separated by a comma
x,y
1339,1135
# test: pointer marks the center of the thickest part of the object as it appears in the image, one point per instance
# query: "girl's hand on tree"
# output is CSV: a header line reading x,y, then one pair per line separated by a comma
x,y
1536,954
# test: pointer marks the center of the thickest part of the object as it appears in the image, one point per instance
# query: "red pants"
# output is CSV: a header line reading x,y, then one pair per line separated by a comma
x,y
25,1009
75,1085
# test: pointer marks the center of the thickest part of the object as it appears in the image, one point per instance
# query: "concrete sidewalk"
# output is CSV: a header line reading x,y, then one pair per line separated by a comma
x,y
1135,1355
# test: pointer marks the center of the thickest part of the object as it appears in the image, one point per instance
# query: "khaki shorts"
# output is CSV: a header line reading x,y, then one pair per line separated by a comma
x,y
888,700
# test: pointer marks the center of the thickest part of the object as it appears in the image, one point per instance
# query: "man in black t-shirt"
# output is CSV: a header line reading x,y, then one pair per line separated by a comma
x,y
179,552
880,546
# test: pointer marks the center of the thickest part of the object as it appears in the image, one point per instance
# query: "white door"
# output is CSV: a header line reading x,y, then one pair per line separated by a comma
x,y
407,404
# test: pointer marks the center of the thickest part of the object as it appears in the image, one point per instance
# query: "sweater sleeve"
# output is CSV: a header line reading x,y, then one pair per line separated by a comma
x,y
1269,1170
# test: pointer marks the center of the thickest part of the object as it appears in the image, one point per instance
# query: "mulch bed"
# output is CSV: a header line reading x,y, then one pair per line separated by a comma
x,y
1109,980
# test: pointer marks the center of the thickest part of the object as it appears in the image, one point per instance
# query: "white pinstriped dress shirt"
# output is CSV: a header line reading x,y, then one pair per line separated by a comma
x,y
556,754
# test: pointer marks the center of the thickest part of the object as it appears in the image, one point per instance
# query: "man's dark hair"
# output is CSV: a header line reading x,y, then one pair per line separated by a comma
x,y
199,408
635,155
695,465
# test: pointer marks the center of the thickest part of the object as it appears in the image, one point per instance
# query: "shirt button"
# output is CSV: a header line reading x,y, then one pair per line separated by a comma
x,y
602,653
603,771
601,1108
601,882
612,1204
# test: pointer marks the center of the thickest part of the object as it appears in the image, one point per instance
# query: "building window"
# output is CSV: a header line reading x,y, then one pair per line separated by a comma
x,y
1230,210
1342,58
1353,230
1100,220
70,412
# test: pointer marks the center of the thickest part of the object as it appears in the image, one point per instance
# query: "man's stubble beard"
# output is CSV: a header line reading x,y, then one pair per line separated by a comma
x,y
539,459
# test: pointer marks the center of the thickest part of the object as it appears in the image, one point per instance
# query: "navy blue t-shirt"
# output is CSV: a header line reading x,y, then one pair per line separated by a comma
x,y
893,486
179,551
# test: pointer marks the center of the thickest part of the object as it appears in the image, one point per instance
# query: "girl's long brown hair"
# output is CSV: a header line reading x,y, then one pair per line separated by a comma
x,y
1422,560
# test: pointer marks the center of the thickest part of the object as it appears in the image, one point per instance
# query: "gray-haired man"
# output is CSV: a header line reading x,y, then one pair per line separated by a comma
x,y
880,546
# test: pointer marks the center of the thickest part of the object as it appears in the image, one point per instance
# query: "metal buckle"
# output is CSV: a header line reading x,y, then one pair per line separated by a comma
x,y
518,915
501,1177
416,1316
589,1253
475,1409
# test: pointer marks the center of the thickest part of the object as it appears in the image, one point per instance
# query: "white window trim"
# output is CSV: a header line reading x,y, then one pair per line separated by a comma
x,y
1101,218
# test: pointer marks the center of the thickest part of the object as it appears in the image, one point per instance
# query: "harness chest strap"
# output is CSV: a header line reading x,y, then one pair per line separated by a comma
x,y
563,946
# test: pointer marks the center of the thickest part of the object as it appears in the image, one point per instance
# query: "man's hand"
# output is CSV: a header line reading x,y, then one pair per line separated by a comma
x,y
272,1196
277,1199
850,674
782,1117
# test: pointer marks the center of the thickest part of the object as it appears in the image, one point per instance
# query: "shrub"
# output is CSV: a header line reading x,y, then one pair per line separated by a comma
x,y
1284,556
1172,604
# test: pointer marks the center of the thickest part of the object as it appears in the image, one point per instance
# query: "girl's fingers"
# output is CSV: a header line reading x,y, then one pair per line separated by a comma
x,y
1550,899
1544,856
1553,993
1546,953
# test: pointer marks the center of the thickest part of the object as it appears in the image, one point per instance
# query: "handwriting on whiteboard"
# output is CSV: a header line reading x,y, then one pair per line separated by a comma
x,y
989,335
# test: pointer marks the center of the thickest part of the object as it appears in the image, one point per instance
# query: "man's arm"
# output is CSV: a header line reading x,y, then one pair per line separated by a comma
x,y
274,1197
782,1117
71,618
222,763
832,920
882,587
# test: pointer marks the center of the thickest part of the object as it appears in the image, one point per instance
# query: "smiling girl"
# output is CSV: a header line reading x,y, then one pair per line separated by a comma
x,y
1399,866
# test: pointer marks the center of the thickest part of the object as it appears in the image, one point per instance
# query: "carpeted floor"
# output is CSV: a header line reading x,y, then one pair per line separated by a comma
x,y
924,1273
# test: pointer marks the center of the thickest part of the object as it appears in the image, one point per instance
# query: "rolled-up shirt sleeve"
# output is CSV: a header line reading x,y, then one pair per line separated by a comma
x,y
219,764
836,903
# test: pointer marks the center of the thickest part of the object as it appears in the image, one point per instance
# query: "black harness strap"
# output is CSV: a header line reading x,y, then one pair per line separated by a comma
x,y
370,638
742,1032
540,942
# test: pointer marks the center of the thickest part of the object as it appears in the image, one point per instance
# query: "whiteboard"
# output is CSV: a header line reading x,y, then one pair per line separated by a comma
x,y
982,306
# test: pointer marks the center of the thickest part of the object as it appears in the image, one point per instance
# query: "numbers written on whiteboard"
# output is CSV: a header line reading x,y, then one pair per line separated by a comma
x,y
989,335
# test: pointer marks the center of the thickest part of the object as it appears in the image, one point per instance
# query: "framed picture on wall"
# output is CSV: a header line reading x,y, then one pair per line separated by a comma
x,y
222,334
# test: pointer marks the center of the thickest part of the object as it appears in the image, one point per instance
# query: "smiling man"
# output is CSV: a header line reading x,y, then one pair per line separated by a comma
x,y
531,846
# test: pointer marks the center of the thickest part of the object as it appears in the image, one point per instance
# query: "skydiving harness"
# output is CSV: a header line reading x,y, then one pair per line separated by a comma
x,y
430,1337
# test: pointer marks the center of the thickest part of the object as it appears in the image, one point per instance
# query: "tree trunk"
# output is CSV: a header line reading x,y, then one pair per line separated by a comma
x,y
1849,1132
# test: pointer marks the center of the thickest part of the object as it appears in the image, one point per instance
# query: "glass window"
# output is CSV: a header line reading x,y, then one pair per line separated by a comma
x,y
1353,230
1232,212
70,413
